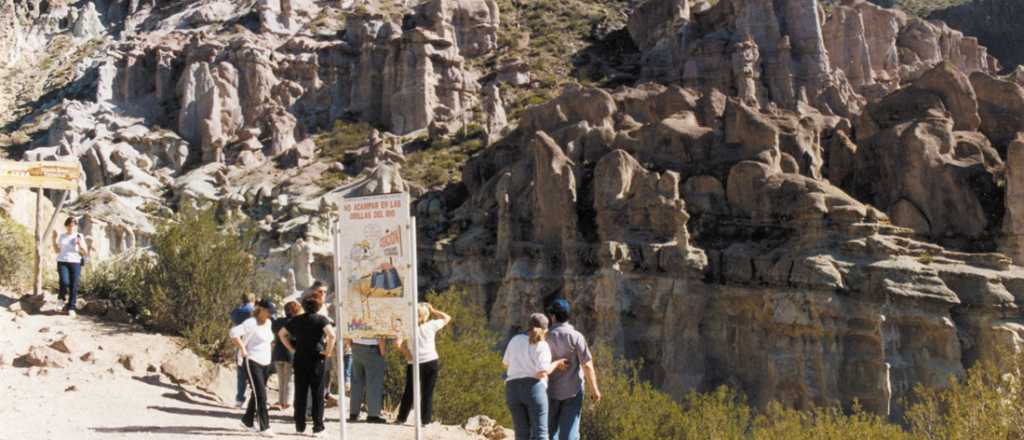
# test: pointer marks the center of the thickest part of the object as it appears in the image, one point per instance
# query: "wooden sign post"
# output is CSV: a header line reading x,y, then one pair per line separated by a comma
x,y
54,175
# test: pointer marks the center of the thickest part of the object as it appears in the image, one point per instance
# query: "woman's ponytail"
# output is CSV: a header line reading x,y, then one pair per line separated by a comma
x,y
537,334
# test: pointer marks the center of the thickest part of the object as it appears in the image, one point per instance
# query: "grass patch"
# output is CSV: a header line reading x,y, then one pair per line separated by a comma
x,y
545,34
441,161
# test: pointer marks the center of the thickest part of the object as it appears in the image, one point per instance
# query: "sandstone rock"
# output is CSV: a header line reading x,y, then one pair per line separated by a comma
x,y
655,20
68,345
132,362
1000,106
41,356
1013,223
88,24
32,304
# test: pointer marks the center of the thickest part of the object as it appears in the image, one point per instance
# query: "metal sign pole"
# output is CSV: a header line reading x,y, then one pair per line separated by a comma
x,y
414,281
339,284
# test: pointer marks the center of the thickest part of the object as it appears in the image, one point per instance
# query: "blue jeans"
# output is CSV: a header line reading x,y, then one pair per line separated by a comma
x,y
241,384
348,370
69,274
527,400
564,417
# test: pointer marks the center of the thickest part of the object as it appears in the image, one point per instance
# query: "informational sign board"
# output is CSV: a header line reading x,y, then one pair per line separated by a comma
x,y
375,244
47,175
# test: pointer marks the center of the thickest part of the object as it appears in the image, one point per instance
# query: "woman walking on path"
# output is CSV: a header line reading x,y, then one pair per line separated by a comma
x,y
283,357
431,321
313,344
253,338
528,363
71,248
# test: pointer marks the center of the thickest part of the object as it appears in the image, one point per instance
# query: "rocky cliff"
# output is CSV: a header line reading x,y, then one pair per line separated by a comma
x,y
812,206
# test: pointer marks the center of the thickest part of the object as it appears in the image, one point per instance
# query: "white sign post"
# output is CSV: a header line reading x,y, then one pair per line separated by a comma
x,y
375,276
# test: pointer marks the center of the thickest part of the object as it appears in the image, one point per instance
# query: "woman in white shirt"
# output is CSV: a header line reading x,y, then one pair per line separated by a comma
x,y
253,338
431,321
528,363
70,248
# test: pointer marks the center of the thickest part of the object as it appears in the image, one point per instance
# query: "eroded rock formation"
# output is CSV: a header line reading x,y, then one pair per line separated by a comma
x,y
812,207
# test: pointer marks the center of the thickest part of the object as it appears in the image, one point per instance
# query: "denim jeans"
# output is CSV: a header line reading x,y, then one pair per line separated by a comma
x,y
348,369
241,384
564,417
368,368
69,273
527,400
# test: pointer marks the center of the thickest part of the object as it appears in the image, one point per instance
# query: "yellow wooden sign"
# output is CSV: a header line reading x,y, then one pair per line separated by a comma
x,y
46,174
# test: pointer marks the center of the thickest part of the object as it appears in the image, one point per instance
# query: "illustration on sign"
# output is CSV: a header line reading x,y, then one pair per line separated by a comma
x,y
375,265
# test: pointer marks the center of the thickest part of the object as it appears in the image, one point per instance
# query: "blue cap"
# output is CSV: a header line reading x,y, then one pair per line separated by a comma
x,y
559,306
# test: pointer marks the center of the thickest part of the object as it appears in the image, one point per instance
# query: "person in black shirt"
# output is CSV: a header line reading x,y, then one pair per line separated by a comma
x,y
314,339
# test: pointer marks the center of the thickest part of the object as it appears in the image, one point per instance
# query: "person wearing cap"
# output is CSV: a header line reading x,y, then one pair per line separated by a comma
x,y
528,364
239,315
253,337
565,385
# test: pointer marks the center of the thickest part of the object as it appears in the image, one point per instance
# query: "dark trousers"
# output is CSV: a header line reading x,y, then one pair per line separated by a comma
x,y
428,379
257,376
310,380
69,274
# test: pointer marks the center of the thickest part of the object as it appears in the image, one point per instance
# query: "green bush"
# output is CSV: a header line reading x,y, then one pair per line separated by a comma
x,y
120,280
187,283
470,381
343,137
17,255
986,404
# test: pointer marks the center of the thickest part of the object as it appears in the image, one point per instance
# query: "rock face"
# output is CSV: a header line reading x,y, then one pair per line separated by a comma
x,y
878,48
706,237
994,22
811,207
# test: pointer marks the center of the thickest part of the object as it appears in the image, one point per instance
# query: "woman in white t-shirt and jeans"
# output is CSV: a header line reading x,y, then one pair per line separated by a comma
x,y
528,363
431,321
253,338
70,248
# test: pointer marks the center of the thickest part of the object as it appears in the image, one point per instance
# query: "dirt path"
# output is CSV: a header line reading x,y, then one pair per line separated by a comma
x,y
103,399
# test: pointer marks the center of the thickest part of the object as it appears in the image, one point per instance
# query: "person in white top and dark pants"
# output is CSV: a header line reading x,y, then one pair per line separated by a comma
x,y
528,363
430,322
253,338
71,248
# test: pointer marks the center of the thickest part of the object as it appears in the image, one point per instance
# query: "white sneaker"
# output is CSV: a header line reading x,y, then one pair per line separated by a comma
x,y
266,433
240,405
250,428
72,314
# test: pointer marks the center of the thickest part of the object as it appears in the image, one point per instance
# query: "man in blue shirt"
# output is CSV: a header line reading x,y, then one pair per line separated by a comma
x,y
238,315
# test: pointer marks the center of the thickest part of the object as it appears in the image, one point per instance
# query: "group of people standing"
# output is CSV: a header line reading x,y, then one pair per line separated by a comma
x,y
301,345
546,369
307,338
